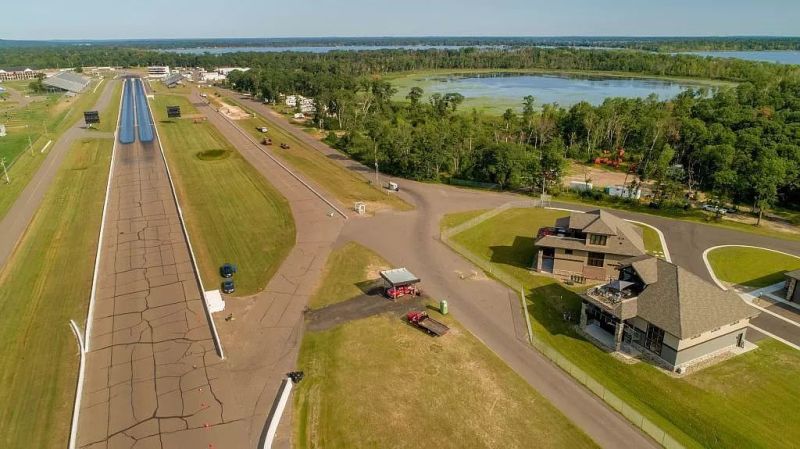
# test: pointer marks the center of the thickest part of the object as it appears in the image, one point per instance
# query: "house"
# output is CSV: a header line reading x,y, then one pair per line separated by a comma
x,y
660,310
792,284
587,246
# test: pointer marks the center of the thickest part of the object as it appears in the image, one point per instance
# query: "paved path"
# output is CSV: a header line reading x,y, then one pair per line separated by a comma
x,y
16,220
264,339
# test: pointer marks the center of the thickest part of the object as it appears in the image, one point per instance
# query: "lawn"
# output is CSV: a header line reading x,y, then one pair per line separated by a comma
x,y
345,185
349,271
379,383
56,113
453,220
652,242
232,213
738,403
763,268
46,282
108,117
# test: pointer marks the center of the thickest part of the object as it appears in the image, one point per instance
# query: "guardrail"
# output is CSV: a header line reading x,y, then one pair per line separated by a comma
x,y
615,402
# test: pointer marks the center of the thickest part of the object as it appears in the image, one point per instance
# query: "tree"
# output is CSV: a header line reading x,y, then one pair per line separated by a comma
x,y
414,96
767,175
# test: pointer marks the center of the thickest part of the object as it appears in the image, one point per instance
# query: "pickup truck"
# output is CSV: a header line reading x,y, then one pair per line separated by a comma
x,y
426,323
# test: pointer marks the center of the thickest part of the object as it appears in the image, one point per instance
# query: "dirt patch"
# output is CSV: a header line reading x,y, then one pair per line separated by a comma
x,y
233,112
597,176
213,155
363,306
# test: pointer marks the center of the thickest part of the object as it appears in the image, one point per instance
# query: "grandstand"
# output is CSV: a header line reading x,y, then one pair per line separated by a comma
x,y
67,81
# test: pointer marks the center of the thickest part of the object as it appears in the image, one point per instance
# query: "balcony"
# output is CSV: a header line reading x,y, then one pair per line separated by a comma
x,y
561,233
614,298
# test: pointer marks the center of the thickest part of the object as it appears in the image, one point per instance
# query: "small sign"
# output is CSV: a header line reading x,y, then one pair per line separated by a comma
x,y
91,117
173,111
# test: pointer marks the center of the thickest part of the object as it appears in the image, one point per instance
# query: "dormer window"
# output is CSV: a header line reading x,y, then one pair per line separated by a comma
x,y
598,239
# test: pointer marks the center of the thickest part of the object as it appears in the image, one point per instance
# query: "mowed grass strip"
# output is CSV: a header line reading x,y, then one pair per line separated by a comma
x,y
346,186
45,283
233,214
380,383
652,241
53,112
349,271
738,403
752,267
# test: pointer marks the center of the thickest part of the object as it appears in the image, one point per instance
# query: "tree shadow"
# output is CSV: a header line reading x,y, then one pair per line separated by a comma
x,y
520,254
372,287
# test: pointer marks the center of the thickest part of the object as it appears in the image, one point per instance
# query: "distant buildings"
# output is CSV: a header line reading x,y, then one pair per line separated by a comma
x,y
306,104
217,75
18,73
158,71
67,81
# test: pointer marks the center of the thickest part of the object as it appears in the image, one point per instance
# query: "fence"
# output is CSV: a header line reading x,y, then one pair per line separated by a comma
x,y
614,401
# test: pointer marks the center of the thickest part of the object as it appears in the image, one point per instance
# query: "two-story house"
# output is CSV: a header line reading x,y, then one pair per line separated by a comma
x,y
658,308
587,245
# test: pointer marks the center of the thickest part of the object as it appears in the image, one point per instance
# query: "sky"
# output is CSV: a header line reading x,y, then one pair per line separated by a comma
x,y
109,19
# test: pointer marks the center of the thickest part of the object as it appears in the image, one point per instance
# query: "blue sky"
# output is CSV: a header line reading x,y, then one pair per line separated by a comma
x,y
108,19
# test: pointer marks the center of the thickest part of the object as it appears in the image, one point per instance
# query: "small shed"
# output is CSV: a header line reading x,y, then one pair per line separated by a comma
x,y
399,282
792,290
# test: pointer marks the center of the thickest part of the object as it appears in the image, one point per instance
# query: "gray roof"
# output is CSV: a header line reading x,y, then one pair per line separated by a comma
x,y
399,276
793,274
69,81
623,238
682,303
173,79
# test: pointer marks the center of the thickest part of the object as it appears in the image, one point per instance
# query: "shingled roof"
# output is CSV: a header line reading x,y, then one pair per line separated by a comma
x,y
623,238
680,302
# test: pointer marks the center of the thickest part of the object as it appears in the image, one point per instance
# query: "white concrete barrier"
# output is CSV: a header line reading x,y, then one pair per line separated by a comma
x,y
275,417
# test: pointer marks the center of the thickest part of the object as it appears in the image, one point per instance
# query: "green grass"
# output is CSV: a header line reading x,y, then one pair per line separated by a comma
x,y
108,117
453,220
752,267
57,114
345,185
739,403
379,383
348,272
232,213
652,242
47,282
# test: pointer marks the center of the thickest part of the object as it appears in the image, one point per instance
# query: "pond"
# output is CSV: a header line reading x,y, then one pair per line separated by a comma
x,y
497,92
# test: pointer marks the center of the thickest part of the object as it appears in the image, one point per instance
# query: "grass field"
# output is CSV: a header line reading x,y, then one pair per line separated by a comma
x,y
47,282
233,214
348,269
108,117
54,112
652,242
345,185
737,403
379,383
763,268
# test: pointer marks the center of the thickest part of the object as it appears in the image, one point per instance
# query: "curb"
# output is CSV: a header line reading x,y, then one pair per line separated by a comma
x,y
661,237
711,270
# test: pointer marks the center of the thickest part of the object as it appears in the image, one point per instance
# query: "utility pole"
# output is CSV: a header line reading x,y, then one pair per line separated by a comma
x,y
5,171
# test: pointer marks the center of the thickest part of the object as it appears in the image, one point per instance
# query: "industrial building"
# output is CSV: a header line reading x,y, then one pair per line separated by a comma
x,y
67,81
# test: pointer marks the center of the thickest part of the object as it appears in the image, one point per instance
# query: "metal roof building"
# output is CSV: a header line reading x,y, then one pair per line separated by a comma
x,y
68,81
173,80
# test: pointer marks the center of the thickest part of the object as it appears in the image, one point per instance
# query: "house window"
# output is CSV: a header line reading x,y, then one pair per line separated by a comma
x,y
596,259
568,252
654,339
597,239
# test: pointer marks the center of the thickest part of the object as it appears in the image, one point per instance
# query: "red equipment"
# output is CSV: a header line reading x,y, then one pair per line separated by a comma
x,y
396,292
426,323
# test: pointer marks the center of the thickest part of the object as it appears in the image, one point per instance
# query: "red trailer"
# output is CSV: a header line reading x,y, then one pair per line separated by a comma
x,y
426,323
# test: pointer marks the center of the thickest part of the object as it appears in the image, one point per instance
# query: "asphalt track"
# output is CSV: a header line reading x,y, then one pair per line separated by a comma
x,y
15,222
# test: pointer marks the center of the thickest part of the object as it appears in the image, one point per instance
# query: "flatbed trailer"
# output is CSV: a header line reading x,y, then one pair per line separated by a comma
x,y
426,323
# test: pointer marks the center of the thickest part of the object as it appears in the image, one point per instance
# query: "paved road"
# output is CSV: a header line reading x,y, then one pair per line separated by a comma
x,y
16,220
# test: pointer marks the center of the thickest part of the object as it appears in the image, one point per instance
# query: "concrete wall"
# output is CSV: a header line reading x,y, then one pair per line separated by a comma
x,y
716,344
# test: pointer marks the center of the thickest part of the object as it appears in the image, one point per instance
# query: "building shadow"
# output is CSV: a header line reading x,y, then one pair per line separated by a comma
x,y
520,254
556,308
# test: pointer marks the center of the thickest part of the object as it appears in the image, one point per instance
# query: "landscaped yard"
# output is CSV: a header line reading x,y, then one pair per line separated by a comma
x,y
761,269
378,382
233,214
345,185
47,282
652,242
738,403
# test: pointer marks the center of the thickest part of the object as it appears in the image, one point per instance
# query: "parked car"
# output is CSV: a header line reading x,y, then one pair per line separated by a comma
x,y
714,208
227,270
263,129
227,286
285,146
393,187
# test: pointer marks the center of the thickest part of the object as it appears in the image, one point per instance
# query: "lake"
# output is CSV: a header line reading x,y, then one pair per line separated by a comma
x,y
777,56
497,92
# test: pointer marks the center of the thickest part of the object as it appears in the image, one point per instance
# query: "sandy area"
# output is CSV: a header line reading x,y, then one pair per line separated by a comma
x,y
233,112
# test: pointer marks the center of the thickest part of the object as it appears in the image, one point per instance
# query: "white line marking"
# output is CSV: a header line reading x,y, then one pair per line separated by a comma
x,y
46,145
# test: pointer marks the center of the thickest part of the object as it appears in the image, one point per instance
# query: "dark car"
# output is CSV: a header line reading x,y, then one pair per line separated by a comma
x,y
227,286
227,270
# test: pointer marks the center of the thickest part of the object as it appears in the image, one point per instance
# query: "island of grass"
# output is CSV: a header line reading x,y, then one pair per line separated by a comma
x,y
741,402
46,282
751,267
378,382
232,213
346,186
